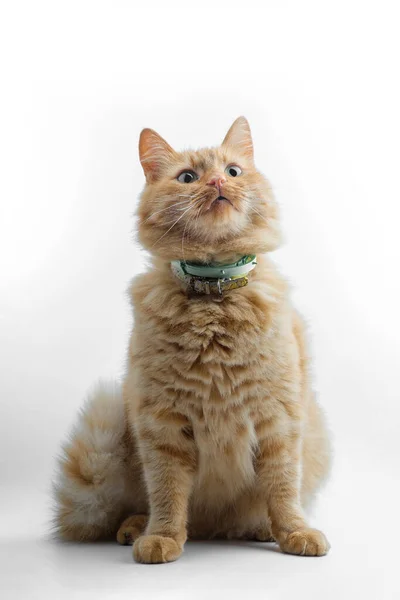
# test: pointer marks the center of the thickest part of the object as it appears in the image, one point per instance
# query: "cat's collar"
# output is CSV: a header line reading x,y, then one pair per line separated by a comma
x,y
214,278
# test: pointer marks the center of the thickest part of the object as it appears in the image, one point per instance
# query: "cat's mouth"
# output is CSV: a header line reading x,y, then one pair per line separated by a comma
x,y
219,201
222,199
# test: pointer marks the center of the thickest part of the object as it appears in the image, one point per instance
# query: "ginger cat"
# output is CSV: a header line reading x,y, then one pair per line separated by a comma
x,y
217,432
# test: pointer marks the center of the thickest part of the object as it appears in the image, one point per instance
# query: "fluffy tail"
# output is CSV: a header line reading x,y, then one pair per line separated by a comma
x,y
90,487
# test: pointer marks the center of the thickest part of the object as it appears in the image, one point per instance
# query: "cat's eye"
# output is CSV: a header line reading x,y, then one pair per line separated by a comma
x,y
233,170
187,177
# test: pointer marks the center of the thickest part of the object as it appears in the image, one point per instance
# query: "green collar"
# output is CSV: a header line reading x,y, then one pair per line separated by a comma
x,y
214,278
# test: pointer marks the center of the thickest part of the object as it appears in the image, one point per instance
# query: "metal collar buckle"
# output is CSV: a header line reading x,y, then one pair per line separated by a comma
x,y
208,290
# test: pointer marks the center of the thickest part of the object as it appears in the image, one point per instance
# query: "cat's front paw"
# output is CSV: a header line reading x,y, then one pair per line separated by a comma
x,y
153,549
305,542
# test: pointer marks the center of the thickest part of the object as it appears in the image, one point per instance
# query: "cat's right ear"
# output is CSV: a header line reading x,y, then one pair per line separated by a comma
x,y
154,153
239,136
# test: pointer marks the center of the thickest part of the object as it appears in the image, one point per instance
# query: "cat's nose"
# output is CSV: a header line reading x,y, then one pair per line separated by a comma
x,y
217,181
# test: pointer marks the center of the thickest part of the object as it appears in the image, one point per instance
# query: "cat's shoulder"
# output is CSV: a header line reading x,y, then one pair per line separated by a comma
x,y
155,291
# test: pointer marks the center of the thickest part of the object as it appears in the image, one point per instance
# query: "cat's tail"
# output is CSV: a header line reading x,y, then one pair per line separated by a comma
x,y
90,484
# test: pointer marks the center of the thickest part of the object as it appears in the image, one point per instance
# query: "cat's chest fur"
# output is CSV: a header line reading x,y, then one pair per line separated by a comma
x,y
222,384
209,361
210,354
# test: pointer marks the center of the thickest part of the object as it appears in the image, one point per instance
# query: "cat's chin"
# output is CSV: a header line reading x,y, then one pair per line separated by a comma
x,y
220,218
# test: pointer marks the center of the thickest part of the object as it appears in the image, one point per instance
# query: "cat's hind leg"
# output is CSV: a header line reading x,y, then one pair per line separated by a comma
x,y
132,528
260,533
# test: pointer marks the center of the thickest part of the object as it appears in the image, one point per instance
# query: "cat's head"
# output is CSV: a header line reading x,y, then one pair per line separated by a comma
x,y
208,204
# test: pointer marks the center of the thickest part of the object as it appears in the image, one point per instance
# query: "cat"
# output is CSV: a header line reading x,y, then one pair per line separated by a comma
x,y
216,431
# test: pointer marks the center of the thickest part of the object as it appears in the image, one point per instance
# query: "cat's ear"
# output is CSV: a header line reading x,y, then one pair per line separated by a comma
x,y
239,136
154,153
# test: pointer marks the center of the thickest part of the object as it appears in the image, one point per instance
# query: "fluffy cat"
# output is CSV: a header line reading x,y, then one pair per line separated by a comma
x,y
216,432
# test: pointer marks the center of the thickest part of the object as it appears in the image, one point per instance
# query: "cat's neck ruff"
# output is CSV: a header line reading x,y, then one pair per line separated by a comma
x,y
214,278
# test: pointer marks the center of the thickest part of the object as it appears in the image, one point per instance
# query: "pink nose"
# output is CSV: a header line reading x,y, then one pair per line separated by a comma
x,y
217,181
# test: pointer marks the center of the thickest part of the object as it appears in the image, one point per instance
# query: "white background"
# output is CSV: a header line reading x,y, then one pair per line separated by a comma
x,y
319,83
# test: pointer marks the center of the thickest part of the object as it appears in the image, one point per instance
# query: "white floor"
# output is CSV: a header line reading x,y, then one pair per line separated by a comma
x,y
358,512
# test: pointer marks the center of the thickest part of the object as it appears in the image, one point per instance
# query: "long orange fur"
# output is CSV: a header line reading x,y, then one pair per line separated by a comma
x,y
217,432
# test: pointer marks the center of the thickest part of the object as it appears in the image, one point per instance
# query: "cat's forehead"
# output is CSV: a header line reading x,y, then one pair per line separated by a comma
x,y
205,159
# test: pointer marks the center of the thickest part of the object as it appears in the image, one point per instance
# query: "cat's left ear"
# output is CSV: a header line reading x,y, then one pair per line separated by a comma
x,y
154,154
239,136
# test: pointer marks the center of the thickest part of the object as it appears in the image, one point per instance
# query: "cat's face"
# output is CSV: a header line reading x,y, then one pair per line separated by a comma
x,y
208,204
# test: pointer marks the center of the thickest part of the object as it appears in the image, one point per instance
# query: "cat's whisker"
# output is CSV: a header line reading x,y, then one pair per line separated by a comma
x,y
259,214
172,226
197,215
192,220
165,209
253,209
183,235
